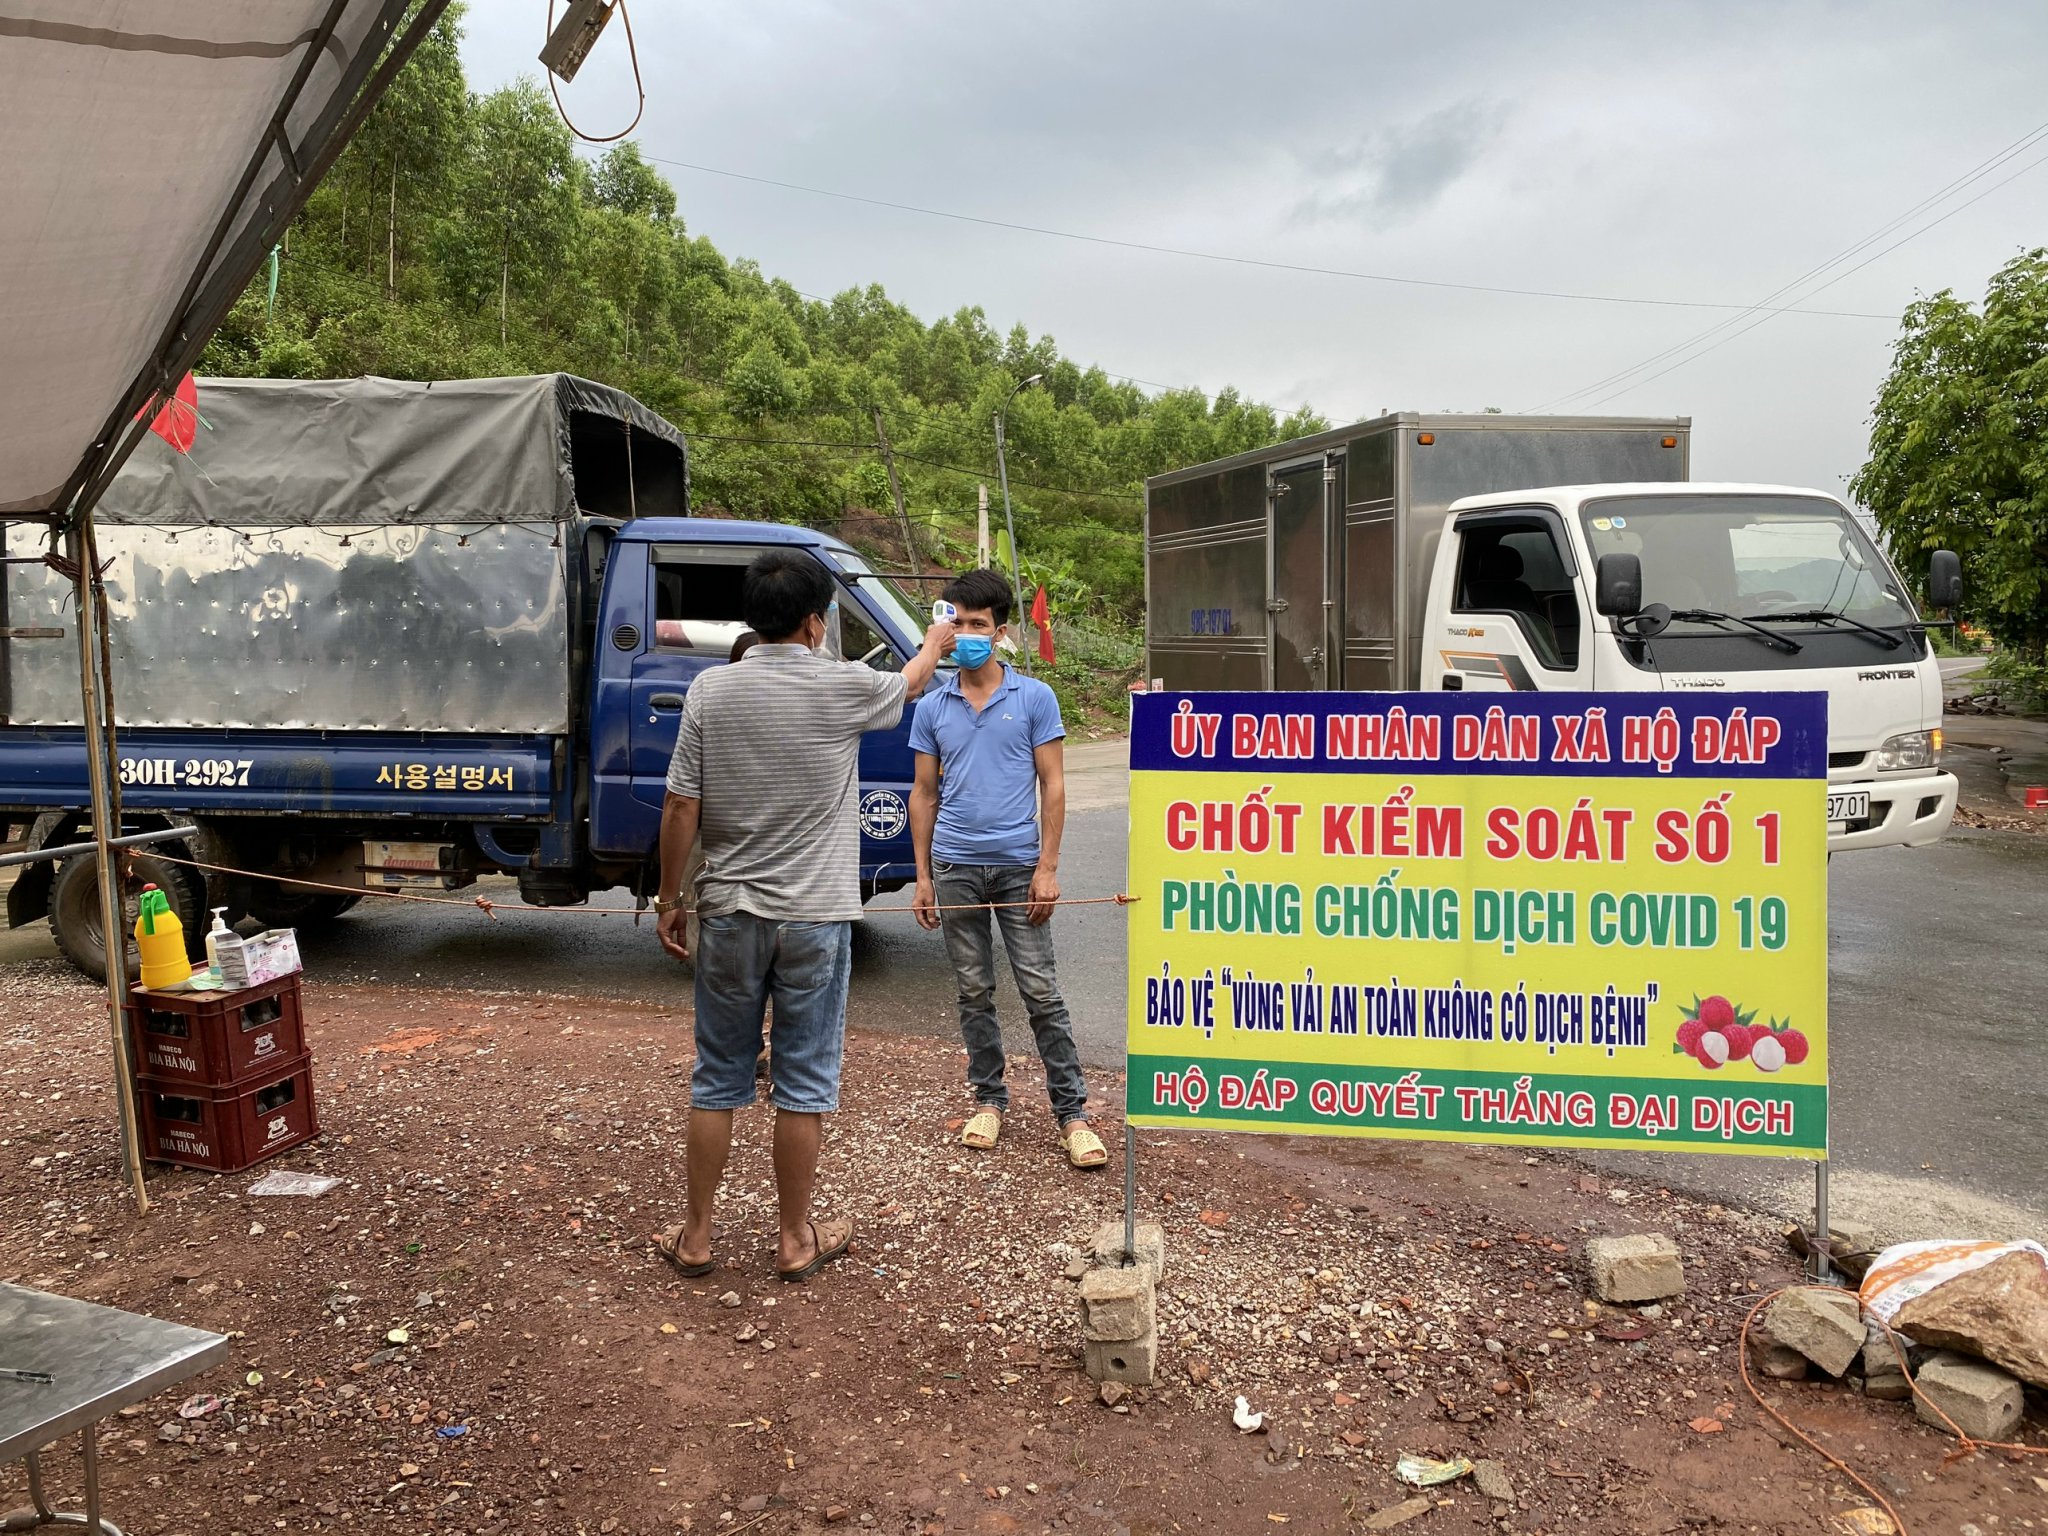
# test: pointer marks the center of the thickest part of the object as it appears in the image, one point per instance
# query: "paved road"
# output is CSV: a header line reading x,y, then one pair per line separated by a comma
x,y
1939,969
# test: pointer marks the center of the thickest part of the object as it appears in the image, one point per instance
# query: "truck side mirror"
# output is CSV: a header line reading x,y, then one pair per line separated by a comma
x,y
1944,579
1618,586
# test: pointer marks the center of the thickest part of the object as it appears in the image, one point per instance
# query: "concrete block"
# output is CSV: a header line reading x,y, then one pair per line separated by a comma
x,y
1129,1360
1117,1304
1824,1326
1883,1367
1984,1401
1780,1362
1108,1245
1641,1268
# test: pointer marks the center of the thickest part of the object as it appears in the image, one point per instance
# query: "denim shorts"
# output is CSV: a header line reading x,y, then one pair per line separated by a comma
x,y
744,962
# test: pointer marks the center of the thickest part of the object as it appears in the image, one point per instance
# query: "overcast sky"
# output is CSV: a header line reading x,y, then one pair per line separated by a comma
x,y
1675,152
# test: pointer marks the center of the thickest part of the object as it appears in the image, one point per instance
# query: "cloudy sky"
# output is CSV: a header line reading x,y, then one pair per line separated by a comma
x,y
1702,153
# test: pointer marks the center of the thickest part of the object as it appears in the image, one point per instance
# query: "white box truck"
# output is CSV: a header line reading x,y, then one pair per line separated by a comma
x,y
1529,552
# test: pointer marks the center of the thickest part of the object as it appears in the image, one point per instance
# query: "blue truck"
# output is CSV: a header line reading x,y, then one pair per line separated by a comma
x,y
380,635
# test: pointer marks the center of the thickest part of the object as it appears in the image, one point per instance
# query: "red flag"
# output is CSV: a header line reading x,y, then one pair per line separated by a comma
x,y
1042,620
178,422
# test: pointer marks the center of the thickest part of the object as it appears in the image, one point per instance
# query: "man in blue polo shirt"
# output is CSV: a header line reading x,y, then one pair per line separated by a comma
x,y
986,814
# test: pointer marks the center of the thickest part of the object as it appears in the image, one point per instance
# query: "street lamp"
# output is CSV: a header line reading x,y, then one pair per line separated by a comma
x,y
1009,522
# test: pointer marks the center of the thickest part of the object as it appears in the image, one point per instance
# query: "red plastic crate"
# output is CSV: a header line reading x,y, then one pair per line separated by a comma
x,y
216,1039
226,1129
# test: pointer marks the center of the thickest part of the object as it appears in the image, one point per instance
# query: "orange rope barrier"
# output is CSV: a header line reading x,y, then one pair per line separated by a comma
x,y
491,909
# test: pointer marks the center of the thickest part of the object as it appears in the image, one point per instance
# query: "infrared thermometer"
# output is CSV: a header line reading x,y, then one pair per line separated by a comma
x,y
944,612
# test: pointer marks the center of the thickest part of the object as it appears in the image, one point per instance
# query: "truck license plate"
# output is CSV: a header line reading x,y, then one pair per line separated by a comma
x,y
1854,806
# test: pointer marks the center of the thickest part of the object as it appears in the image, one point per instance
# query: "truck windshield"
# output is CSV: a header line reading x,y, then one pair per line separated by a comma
x,y
908,618
1754,557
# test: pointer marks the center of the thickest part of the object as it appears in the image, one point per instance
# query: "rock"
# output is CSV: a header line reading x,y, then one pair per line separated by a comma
x,y
747,1333
1640,1268
1127,1360
1398,1514
1076,1268
754,1504
729,1299
1778,1361
1999,1313
1108,1245
1491,1479
1852,1246
1117,1304
1112,1393
170,1432
834,1513
1983,1401
1824,1326
1883,1368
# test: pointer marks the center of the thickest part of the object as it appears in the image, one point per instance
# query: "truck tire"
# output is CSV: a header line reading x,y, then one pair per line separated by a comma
x,y
75,908
285,906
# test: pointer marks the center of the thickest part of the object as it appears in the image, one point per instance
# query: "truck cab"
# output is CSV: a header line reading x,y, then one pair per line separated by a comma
x,y
669,611
1678,587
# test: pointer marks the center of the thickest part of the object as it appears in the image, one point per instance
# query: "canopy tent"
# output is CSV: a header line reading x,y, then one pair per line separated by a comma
x,y
154,155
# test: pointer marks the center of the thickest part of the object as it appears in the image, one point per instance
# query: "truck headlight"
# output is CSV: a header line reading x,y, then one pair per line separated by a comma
x,y
1914,749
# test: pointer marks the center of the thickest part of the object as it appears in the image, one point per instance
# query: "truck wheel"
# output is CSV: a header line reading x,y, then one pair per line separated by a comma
x,y
285,906
75,908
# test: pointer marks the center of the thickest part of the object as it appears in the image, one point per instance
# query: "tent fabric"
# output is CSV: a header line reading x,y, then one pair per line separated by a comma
x,y
130,127
298,452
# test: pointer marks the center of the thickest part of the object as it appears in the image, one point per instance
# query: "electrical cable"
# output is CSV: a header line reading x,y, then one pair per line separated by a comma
x,y
963,469
632,52
1976,173
1251,261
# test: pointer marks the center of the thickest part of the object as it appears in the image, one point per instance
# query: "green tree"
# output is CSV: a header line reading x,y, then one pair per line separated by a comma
x,y
519,196
1959,448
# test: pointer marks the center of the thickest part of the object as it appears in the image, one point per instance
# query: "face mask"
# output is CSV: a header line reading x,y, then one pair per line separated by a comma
x,y
973,651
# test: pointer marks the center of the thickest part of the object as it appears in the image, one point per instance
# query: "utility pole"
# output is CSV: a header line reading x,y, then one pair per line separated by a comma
x,y
981,555
910,552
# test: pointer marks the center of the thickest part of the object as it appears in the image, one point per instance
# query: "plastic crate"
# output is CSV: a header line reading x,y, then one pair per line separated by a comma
x,y
216,1039
226,1129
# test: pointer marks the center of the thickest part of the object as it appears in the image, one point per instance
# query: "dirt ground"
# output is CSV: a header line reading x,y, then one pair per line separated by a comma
x,y
504,1157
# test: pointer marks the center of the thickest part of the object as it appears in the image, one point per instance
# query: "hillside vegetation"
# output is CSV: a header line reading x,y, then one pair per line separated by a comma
x,y
461,235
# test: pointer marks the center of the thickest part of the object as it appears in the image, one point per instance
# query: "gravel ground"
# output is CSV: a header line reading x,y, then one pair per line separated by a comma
x,y
471,1335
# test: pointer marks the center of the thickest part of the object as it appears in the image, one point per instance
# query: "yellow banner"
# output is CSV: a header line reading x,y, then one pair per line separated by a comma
x,y
1505,948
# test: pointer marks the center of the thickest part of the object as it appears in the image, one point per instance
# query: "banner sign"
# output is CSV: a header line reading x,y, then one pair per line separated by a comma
x,y
1558,919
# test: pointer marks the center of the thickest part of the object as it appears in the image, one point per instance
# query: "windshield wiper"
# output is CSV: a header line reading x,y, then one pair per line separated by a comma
x,y
1890,641
1710,616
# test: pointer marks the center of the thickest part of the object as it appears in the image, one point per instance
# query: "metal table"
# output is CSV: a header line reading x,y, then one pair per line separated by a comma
x,y
99,1360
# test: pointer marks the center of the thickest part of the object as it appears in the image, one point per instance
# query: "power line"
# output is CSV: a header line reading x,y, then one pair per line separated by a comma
x,y
1760,319
1246,261
1975,173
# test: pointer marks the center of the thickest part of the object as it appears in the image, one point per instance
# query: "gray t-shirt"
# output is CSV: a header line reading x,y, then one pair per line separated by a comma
x,y
771,747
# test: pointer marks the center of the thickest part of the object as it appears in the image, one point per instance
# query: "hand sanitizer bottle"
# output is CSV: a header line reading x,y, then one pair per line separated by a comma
x,y
214,935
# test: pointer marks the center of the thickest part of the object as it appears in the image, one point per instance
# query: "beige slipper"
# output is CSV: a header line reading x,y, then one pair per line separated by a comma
x,y
1084,1147
983,1128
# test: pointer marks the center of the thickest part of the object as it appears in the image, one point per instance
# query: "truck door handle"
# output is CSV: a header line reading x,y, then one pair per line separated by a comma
x,y
1453,683
665,701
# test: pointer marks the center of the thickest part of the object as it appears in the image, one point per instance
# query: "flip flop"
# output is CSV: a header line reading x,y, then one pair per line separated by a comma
x,y
669,1245
1084,1147
833,1239
983,1128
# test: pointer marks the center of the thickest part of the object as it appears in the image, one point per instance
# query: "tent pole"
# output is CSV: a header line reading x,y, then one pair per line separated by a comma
x,y
95,690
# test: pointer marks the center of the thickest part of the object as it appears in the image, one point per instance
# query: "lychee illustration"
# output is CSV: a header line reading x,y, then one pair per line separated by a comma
x,y
1794,1045
1712,1050
1767,1054
1717,1013
1689,1035
1740,1038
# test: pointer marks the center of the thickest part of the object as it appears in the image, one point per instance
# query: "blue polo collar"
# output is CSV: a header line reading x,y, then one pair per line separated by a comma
x,y
953,685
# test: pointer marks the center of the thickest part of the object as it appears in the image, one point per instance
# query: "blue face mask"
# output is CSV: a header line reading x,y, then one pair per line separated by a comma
x,y
973,651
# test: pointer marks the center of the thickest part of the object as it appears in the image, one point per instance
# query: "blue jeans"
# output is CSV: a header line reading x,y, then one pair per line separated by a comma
x,y
742,962
970,944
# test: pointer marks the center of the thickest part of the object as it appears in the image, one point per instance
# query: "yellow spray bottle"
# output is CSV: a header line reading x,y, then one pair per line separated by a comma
x,y
161,939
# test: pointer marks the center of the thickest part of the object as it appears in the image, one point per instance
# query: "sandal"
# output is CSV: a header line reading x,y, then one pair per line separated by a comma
x,y
833,1239
669,1244
983,1128
1084,1147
